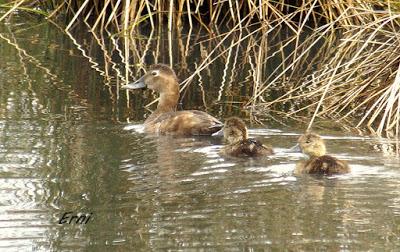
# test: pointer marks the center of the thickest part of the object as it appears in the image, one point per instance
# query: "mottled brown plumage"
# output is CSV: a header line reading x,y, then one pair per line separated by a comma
x,y
239,145
165,119
318,163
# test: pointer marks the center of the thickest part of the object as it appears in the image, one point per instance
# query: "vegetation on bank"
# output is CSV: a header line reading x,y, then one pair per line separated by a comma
x,y
355,71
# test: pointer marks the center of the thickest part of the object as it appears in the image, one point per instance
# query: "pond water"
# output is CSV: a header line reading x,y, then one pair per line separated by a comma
x,y
66,146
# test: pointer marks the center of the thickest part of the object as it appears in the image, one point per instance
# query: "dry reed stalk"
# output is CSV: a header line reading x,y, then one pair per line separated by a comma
x,y
126,39
101,16
189,14
357,75
56,10
113,15
12,9
77,14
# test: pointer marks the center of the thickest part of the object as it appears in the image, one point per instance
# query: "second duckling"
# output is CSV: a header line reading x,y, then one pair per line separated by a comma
x,y
239,145
313,146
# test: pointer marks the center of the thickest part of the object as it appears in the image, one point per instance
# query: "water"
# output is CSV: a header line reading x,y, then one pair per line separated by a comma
x,y
66,145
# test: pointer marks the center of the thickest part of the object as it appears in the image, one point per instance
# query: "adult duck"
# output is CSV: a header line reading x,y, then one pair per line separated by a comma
x,y
166,119
238,143
313,146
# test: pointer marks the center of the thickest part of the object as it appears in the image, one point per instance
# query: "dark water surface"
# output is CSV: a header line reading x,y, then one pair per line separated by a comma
x,y
65,146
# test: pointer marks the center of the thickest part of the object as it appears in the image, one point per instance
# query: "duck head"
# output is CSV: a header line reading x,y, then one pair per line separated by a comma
x,y
160,78
234,130
312,145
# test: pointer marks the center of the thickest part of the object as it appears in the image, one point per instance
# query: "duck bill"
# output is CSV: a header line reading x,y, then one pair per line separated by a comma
x,y
219,133
295,148
135,85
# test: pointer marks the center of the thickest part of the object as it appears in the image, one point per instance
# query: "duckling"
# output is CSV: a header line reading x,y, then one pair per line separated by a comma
x,y
318,163
166,119
239,145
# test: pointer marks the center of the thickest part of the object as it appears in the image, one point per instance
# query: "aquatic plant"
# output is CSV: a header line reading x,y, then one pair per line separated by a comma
x,y
343,56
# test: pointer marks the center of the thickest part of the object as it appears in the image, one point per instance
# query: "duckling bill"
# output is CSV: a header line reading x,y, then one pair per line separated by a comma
x,y
238,143
318,163
166,119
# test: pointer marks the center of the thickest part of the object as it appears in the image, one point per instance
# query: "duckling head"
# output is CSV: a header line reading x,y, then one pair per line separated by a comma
x,y
160,78
234,130
312,145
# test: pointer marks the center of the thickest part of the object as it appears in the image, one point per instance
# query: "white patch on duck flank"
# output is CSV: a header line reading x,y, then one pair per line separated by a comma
x,y
135,127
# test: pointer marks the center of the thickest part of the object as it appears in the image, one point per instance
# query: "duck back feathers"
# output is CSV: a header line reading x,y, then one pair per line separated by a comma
x,y
324,165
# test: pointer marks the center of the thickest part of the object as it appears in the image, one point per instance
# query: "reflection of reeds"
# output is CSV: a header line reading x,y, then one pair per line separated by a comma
x,y
26,57
308,58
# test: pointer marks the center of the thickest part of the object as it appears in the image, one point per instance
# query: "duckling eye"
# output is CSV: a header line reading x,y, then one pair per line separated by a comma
x,y
154,73
308,141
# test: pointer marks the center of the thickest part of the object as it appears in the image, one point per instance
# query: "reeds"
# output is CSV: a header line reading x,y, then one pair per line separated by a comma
x,y
357,75
338,58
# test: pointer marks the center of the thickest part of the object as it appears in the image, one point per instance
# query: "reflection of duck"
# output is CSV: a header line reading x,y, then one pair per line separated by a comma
x,y
165,119
239,145
318,163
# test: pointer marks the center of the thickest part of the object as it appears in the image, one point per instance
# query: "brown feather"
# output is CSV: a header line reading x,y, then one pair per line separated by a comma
x,y
187,122
235,133
165,119
312,145
247,148
324,165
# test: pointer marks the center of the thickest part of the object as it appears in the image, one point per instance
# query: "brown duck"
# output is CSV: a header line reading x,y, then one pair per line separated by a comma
x,y
318,163
238,143
166,119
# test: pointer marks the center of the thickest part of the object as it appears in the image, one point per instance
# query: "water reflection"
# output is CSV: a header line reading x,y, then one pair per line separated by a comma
x,y
63,148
